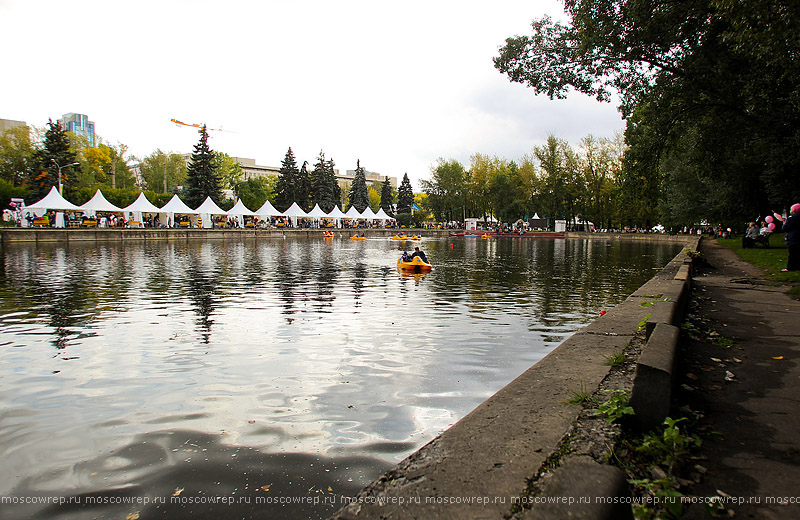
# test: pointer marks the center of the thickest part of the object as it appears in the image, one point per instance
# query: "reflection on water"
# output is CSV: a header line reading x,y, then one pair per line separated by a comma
x,y
282,367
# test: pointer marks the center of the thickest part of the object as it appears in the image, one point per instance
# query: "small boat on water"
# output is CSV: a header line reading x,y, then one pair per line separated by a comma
x,y
415,265
358,237
328,234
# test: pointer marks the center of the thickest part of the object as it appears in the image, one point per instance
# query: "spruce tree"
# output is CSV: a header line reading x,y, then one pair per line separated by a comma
x,y
405,196
55,152
335,189
303,188
325,190
201,175
359,195
387,200
288,187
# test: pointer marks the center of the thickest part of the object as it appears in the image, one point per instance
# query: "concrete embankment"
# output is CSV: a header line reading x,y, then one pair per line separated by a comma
x,y
481,467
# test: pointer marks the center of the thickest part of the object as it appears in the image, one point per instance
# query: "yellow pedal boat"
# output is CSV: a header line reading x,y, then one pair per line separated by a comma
x,y
356,237
415,265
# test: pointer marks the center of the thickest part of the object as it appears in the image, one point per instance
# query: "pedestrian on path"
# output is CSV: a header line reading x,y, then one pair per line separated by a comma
x,y
792,229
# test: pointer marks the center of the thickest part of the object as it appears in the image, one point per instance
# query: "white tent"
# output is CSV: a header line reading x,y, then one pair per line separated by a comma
x,y
139,207
337,215
317,212
267,210
293,212
176,205
368,213
53,200
238,211
353,213
99,203
208,208
382,216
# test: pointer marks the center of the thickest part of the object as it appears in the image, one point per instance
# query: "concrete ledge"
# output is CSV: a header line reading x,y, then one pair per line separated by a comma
x,y
655,373
582,488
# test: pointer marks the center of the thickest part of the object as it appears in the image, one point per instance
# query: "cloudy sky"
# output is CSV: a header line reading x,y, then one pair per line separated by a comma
x,y
396,85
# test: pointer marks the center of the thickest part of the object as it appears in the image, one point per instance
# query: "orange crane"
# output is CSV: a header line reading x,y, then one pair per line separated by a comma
x,y
181,123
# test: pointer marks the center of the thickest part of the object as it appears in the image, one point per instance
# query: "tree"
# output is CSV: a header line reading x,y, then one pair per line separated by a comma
x,y
405,196
201,175
447,190
254,192
229,171
16,153
163,172
55,153
387,197
325,189
358,195
303,188
287,189
711,92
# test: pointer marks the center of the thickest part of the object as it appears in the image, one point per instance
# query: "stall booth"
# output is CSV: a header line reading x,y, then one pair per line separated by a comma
x,y
383,217
180,215
98,212
53,202
317,214
209,214
239,213
141,211
294,212
354,216
337,215
267,211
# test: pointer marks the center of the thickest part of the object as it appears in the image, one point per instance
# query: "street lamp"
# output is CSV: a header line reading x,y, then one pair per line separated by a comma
x,y
60,187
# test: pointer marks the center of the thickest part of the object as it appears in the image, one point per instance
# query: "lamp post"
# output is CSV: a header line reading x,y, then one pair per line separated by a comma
x,y
60,187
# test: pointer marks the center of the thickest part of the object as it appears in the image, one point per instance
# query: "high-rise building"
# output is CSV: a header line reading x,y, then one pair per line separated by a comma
x,y
78,124
7,124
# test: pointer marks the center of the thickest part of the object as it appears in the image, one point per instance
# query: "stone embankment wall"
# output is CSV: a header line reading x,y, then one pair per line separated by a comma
x,y
481,465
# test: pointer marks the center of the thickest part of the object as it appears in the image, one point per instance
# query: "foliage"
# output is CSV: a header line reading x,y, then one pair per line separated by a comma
x,y
163,172
405,196
325,189
358,195
229,171
387,197
9,191
405,219
16,150
616,406
201,175
45,162
289,186
254,192
710,90
447,190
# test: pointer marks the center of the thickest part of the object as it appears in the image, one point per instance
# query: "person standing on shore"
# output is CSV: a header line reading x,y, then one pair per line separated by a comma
x,y
792,228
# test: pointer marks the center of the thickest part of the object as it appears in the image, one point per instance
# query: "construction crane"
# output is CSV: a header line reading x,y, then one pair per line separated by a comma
x,y
181,123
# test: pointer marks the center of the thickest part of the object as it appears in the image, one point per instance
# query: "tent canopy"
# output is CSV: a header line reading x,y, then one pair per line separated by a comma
x,y
336,213
267,210
208,207
382,215
239,209
143,205
353,213
368,213
53,200
294,211
99,203
176,205
317,212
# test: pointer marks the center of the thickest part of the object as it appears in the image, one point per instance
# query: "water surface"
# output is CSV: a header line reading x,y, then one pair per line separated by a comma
x,y
254,370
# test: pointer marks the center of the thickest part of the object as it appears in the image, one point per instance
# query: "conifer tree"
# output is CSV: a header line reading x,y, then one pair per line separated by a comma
x,y
325,190
288,187
387,200
55,152
335,189
359,195
405,196
201,175
303,188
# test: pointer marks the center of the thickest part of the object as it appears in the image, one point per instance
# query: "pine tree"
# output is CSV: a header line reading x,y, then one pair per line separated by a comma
x,y
201,176
325,190
387,200
335,189
55,152
288,187
303,188
405,196
359,195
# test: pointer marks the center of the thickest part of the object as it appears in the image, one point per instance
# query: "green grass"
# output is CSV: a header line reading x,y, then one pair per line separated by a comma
x,y
772,260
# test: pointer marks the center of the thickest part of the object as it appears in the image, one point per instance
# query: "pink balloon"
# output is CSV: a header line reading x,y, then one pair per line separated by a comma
x,y
778,217
769,219
771,226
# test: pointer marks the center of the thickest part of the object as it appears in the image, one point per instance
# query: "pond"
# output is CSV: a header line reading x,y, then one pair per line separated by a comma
x,y
270,377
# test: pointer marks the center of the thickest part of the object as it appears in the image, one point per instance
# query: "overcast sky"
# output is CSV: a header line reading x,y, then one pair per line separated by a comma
x,y
396,85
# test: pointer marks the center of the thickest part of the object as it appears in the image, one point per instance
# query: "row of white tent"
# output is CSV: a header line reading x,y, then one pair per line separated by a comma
x,y
175,206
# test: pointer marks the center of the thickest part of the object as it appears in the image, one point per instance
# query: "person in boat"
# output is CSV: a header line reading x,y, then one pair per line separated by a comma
x,y
420,254
406,257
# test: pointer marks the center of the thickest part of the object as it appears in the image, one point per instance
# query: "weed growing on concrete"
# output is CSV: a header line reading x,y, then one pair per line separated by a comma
x,y
616,406
582,397
722,341
643,323
616,359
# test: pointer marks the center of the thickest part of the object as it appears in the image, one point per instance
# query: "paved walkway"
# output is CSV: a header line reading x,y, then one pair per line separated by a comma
x,y
757,409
